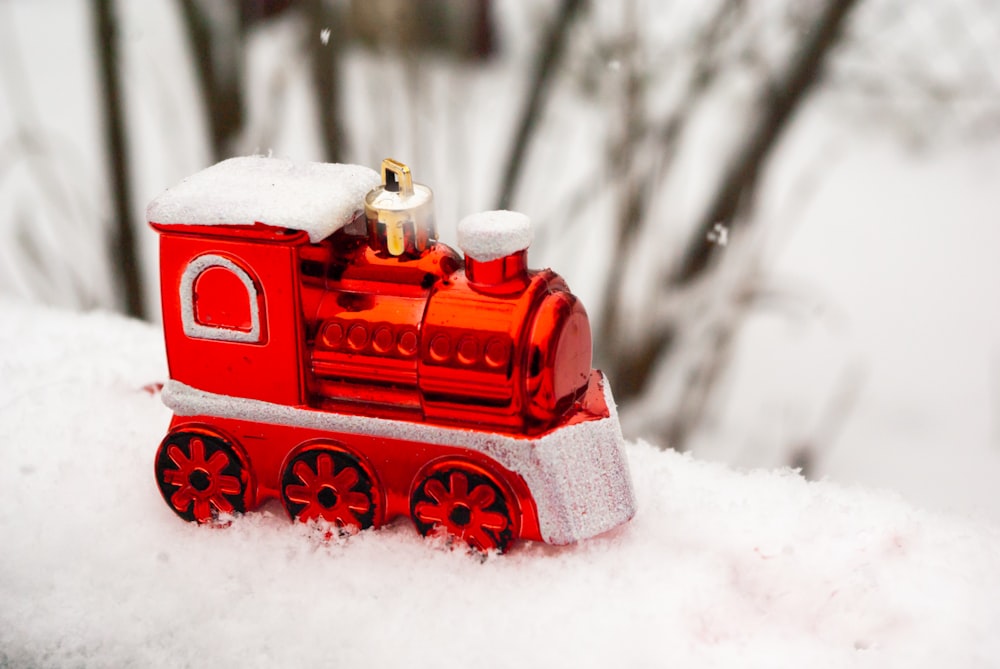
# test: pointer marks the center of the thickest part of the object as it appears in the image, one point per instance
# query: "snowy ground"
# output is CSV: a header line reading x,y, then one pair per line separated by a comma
x,y
718,569
898,248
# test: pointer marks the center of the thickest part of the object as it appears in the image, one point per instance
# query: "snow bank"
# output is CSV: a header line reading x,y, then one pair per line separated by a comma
x,y
718,568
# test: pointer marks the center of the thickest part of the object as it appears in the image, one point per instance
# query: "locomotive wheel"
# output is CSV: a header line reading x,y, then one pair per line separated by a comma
x,y
463,502
201,476
333,486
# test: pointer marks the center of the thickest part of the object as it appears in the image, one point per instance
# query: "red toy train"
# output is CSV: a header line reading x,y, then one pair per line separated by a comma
x,y
326,350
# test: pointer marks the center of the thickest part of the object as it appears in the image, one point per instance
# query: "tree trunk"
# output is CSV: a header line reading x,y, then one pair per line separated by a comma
x,y
123,238
324,58
221,91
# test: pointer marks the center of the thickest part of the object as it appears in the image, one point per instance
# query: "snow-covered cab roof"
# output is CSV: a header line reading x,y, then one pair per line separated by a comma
x,y
317,198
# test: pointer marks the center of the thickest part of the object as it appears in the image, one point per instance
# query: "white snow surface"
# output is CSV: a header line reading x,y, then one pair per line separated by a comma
x,y
491,235
319,198
719,568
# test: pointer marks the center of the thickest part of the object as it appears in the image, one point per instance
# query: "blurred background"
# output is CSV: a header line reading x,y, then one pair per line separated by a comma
x,y
781,214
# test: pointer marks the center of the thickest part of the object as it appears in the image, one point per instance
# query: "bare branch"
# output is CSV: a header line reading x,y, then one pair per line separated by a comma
x,y
324,55
640,180
731,202
780,101
124,247
221,92
836,411
545,64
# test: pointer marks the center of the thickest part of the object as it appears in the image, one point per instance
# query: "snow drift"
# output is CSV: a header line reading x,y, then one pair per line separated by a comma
x,y
718,568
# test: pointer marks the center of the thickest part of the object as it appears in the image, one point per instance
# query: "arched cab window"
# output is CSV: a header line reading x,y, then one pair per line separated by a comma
x,y
220,300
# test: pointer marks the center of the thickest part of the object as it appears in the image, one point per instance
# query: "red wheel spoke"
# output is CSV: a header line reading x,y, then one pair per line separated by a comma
x,y
175,477
479,539
304,473
298,493
229,485
491,520
197,451
429,513
345,480
357,502
324,467
202,510
181,499
178,457
482,497
217,462
342,517
435,490
221,504
311,512
459,485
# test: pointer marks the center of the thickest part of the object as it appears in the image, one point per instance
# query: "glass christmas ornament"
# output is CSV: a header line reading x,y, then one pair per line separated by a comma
x,y
326,350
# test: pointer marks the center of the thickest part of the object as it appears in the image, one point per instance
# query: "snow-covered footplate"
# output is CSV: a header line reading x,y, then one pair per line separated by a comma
x,y
577,474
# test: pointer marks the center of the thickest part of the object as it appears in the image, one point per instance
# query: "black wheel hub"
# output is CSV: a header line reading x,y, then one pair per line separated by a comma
x,y
327,497
199,480
460,515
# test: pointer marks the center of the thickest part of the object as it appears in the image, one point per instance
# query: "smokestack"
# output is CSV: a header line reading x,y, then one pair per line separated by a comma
x,y
495,244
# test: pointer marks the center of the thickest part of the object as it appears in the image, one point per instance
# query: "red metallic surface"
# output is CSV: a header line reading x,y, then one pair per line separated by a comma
x,y
201,476
396,468
460,500
342,326
325,482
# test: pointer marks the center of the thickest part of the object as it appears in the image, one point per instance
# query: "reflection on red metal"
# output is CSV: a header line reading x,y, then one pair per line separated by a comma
x,y
328,484
200,476
462,502
326,350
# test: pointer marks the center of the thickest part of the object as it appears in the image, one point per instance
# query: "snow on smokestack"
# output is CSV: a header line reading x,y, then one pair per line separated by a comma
x,y
495,244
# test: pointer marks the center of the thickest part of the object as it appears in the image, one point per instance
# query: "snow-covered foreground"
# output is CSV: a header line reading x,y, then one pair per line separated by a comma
x,y
719,568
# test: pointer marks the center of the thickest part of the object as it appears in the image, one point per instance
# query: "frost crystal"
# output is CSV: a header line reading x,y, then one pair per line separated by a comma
x,y
719,234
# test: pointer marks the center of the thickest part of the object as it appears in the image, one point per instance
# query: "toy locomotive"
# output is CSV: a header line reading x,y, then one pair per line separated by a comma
x,y
326,350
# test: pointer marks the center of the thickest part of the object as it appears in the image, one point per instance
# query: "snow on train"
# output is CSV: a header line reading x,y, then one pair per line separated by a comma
x,y
327,351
